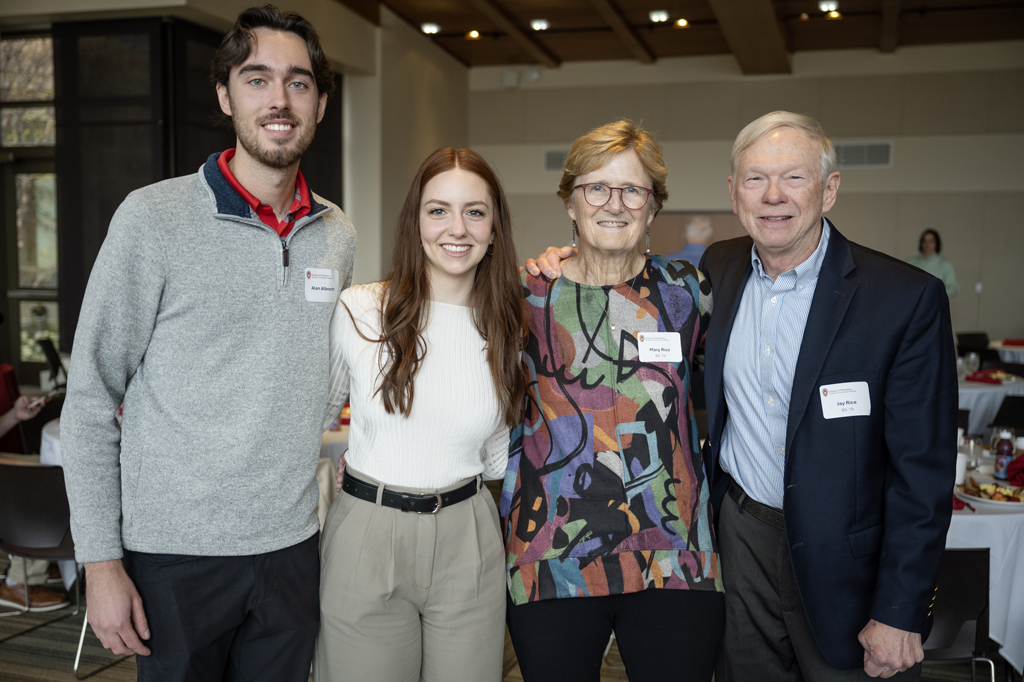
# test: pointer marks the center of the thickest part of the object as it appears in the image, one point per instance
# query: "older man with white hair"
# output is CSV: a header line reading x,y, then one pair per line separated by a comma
x,y
832,399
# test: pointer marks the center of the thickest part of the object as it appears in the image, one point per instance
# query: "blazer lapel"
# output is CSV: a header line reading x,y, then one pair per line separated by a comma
x,y
727,292
832,296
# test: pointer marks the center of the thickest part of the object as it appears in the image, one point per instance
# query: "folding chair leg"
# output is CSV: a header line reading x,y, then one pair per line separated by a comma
x,y
78,654
24,610
991,665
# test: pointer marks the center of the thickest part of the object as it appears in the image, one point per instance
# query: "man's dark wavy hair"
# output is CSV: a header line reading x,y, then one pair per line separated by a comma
x,y
239,41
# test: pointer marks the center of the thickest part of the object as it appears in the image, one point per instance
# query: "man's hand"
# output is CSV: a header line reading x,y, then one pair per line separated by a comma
x,y
340,476
550,262
114,606
887,650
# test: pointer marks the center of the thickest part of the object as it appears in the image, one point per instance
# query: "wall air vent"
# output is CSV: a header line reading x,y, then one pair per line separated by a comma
x,y
864,154
554,160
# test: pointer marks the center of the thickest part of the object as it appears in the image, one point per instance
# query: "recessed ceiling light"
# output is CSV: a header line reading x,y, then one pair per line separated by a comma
x,y
805,16
834,15
430,29
828,5
682,23
473,35
539,24
658,15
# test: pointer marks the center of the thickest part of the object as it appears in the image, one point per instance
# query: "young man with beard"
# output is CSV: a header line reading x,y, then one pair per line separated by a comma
x,y
206,316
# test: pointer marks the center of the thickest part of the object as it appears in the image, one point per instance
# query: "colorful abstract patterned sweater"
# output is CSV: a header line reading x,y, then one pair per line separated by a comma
x,y
606,491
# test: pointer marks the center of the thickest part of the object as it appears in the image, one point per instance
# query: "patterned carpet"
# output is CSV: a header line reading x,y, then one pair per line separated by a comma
x,y
47,654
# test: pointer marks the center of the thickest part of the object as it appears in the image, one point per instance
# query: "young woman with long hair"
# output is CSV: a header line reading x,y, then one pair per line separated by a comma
x,y
412,563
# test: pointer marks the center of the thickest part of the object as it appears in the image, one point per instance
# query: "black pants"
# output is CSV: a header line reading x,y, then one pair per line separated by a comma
x,y
662,635
244,618
767,635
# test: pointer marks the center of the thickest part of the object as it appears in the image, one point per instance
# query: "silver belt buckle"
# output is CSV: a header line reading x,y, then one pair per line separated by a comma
x,y
440,503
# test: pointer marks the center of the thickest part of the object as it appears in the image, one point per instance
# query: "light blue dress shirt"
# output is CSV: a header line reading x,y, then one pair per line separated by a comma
x,y
760,364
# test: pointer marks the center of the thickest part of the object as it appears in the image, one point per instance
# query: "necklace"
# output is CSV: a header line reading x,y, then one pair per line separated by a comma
x,y
608,302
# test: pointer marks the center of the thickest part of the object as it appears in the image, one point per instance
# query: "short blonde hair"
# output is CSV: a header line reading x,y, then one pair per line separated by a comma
x,y
778,119
596,148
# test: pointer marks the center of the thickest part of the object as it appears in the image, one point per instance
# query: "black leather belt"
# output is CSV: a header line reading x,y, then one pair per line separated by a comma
x,y
431,503
761,512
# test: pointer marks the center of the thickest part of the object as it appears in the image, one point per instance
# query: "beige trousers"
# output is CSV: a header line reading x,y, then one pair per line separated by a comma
x,y
410,597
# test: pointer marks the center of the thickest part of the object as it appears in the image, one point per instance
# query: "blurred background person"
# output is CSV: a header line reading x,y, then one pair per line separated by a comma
x,y
928,258
699,235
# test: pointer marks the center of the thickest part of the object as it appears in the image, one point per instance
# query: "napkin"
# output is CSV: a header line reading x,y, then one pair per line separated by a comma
x,y
982,377
1015,471
1013,342
957,503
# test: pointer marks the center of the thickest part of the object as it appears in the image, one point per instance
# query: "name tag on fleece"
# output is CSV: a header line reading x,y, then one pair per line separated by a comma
x,y
660,347
322,285
851,399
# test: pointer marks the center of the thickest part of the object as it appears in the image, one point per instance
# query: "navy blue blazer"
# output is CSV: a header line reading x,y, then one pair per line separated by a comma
x,y
867,499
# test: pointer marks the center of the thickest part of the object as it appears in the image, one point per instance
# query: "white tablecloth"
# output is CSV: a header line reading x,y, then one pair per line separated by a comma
x,y
1003,534
49,448
983,400
1008,353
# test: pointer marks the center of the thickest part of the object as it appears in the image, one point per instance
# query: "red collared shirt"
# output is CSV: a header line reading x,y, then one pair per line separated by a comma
x,y
300,206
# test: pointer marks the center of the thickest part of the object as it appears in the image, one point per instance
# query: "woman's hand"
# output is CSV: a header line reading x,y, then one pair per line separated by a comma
x,y
550,262
341,474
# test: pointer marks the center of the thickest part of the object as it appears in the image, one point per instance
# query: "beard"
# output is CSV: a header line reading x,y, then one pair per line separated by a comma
x,y
281,154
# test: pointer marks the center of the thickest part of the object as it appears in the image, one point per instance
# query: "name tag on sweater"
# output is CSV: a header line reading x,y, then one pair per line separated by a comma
x,y
660,347
851,399
322,285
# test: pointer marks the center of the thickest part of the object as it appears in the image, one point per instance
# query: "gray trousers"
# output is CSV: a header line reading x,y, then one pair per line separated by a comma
x,y
767,636
407,597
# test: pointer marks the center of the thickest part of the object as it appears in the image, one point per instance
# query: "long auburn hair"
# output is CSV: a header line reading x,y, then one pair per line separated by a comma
x,y
496,298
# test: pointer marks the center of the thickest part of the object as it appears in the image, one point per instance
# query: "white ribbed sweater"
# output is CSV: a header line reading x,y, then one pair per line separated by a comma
x,y
453,432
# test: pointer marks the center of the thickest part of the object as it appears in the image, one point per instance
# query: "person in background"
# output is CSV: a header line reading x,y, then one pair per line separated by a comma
x,y
699,234
207,316
928,258
606,503
832,398
34,572
411,587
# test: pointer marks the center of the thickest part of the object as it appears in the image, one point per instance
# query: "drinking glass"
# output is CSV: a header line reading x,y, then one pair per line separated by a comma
x,y
972,363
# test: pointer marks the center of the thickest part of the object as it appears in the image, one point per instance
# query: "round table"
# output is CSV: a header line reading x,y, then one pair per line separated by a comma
x,y
983,400
1003,534
1014,354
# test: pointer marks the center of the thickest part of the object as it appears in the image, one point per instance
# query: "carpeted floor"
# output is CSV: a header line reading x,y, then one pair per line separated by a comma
x,y
47,654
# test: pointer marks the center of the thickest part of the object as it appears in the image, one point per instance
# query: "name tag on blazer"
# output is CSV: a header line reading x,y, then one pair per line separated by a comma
x,y
850,399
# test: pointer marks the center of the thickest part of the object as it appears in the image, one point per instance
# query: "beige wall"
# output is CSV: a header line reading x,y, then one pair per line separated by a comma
x,y
955,115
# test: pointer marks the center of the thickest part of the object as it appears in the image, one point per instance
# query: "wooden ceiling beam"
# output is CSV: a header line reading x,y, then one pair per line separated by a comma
x,y
889,38
752,31
526,42
617,20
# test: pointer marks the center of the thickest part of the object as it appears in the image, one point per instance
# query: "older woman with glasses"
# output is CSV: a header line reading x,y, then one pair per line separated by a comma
x,y
605,508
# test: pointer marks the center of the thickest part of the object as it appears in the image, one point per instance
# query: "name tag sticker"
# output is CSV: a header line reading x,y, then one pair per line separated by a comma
x,y
851,399
322,285
660,347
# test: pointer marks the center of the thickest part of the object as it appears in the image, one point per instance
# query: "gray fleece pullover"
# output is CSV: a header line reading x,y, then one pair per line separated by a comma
x,y
198,319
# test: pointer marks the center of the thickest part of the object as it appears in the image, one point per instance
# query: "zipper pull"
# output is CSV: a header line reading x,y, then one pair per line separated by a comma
x,y
284,252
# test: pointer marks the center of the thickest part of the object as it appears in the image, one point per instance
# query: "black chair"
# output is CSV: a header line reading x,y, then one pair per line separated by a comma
x,y
1011,413
35,523
960,610
977,342
963,420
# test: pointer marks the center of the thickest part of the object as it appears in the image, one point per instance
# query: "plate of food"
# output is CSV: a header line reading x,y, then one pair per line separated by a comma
x,y
991,494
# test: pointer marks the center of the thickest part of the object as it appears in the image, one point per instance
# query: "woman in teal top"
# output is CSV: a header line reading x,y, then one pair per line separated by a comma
x,y
929,260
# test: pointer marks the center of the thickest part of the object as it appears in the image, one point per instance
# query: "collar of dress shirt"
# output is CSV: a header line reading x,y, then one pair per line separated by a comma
x,y
806,272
